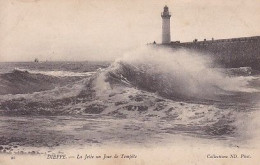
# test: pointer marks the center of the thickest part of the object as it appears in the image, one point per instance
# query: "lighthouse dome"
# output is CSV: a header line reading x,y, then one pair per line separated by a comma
x,y
165,9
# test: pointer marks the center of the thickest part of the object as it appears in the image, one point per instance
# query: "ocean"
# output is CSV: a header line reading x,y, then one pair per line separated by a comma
x,y
147,97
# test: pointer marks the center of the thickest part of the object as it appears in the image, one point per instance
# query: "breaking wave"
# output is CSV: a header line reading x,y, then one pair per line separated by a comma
x,y
143,74
179,74
23,81
180,90
57,73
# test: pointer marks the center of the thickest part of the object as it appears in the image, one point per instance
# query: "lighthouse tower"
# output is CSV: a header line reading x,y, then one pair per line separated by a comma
x,y
166,29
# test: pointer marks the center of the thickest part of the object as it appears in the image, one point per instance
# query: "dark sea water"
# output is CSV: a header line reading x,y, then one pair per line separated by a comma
x,y
147,97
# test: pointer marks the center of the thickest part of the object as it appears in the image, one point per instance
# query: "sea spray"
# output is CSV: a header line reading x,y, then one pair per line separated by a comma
x,y
175,74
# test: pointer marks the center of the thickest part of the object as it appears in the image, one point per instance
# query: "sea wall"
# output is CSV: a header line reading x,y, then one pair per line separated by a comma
x,y
231,53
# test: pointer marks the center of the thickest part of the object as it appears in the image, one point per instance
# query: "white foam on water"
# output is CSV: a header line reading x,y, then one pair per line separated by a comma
x,y
58,73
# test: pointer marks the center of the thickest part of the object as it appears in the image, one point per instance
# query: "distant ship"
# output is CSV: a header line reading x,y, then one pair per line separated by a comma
x,y
36,60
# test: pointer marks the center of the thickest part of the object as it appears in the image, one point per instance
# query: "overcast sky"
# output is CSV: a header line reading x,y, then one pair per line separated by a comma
x,y
105,29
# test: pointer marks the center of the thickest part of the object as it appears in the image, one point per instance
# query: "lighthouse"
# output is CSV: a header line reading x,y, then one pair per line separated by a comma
x,y
166,29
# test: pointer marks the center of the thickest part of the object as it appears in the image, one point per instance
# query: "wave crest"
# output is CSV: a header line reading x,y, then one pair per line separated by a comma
x,y
178,74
